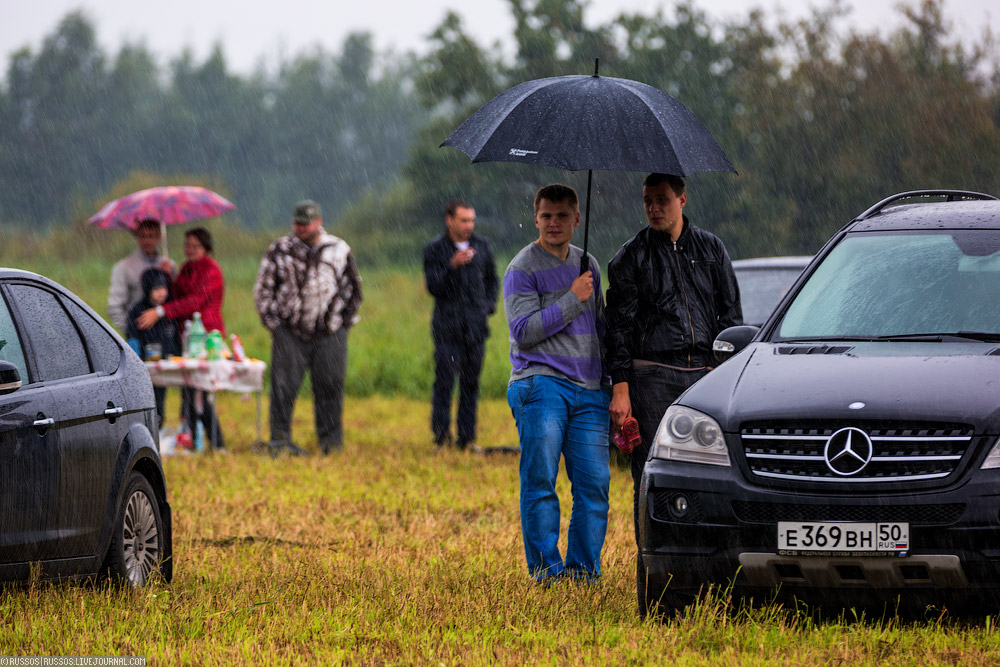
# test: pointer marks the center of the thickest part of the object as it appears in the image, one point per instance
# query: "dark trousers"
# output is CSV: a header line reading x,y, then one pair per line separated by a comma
x,y
466,361
651,390
326,360
207,416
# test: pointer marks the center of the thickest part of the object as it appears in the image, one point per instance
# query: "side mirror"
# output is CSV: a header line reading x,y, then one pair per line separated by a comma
x,y
10,379
732,340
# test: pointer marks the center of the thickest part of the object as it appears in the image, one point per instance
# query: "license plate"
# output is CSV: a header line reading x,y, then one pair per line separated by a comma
x,y
843,536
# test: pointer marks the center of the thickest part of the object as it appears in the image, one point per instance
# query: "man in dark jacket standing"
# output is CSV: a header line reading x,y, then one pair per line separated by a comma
x,y
671,290
462,278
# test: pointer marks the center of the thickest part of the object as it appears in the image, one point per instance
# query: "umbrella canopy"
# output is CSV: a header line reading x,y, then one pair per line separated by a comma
x,y
170,204
590,122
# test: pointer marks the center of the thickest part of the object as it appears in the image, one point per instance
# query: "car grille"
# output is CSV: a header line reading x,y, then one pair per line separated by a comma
x,y
898,452
918,515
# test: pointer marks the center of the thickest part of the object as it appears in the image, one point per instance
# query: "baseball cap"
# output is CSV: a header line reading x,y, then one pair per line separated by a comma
x,y
306,211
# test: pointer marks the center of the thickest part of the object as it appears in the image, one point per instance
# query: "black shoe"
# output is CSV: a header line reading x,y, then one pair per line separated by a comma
x,y
442,439
295,450
327,447
276,447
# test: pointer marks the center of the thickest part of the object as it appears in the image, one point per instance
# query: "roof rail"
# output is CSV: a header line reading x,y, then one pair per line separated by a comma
x,y
949,195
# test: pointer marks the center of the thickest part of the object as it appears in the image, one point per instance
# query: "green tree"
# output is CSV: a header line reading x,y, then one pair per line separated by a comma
x,y
53,109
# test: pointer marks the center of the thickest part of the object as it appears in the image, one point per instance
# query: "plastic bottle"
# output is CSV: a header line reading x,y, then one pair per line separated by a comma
x,y
239,354
196,338
184,338
199,436
134,344
213,345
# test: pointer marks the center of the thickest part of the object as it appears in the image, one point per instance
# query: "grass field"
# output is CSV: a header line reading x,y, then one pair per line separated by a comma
x,y
391,552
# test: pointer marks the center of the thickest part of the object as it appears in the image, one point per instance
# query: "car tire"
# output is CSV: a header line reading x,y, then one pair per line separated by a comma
x,y
653,598
137,539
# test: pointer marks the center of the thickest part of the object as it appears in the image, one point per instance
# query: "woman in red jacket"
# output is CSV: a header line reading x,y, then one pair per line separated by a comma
x,y
198,288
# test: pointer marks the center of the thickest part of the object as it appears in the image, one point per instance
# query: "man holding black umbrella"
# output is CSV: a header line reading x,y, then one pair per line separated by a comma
x,y
556,391
671,290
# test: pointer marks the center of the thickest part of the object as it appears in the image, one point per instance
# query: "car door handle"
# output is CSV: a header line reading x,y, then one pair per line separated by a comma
x,y
113,412
42,423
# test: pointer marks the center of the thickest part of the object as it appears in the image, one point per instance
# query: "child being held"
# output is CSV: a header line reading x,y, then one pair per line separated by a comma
x,y
156,291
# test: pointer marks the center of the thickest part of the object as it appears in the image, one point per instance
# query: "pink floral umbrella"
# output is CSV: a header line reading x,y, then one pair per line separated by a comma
x,y
170,204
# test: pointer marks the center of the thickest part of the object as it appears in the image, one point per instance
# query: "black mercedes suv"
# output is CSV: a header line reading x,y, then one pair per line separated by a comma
x,y
847,450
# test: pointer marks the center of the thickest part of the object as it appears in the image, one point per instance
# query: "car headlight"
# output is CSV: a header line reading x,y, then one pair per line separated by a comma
x,y
690,436
993,458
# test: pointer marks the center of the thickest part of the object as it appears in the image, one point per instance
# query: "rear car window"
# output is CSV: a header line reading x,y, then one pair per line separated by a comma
x,y
105,352
59,351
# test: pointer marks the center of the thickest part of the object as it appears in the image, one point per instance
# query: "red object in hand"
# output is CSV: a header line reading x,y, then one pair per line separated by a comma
x,y
627,437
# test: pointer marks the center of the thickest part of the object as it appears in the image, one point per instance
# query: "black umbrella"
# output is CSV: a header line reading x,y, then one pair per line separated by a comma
x,y
590,122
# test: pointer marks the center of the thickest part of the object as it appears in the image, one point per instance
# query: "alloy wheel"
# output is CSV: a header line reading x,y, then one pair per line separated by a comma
x,y
140,538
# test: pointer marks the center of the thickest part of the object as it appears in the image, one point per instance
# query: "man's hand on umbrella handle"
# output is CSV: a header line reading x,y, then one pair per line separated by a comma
x,y
166,267
583,286
621,406
147,319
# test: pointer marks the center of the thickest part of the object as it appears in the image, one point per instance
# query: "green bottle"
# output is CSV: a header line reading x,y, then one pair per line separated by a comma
x,y
213,345
196,338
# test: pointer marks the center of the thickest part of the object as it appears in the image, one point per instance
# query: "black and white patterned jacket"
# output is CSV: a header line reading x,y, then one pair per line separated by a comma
x,y
314,290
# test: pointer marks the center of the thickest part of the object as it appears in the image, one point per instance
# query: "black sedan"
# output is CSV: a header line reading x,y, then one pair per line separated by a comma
x,y
82,490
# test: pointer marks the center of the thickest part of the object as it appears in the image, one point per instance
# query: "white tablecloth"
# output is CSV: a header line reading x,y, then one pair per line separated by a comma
x,y
212,376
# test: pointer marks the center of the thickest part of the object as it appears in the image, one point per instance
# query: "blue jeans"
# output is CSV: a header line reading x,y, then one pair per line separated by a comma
x,y
558,418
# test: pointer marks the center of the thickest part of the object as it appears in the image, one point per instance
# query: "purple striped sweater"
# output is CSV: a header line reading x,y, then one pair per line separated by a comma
x,y
551,331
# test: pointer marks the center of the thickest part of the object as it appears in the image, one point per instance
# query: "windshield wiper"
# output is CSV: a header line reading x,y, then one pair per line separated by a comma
x,y
983,336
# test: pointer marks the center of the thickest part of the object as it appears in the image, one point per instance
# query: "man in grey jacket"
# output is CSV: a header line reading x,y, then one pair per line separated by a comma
x,y
126,286
307,293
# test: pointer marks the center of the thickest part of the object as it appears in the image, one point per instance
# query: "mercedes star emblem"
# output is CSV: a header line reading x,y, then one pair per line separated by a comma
x,y
848,451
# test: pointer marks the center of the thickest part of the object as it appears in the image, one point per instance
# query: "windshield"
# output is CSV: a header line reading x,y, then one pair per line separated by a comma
x,y
899,284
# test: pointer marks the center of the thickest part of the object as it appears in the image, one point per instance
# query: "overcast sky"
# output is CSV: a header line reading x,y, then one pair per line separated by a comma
x,y
252,29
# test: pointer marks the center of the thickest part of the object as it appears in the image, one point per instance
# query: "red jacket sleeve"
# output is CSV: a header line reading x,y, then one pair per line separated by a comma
x,y
196,292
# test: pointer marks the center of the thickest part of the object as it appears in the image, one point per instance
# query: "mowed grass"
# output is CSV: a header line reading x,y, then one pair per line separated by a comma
x,y
391,552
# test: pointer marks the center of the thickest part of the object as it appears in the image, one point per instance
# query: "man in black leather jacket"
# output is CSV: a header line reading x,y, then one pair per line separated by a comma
x,y
462,278
671,290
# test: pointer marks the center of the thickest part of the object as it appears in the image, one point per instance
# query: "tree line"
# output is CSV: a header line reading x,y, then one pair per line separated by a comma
x,y
819,121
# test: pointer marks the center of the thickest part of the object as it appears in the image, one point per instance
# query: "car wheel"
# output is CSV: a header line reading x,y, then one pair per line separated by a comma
x,y
654,598
137,540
